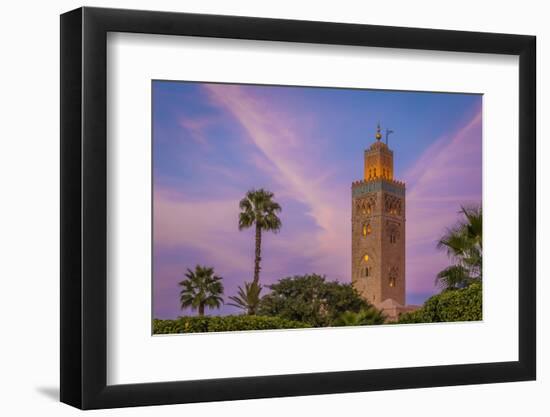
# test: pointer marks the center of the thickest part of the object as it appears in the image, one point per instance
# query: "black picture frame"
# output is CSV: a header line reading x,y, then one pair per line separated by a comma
x,y
84,207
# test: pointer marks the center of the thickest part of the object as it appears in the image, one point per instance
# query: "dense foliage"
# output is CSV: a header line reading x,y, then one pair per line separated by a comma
x,y
464,304
366,317
196,324
311,299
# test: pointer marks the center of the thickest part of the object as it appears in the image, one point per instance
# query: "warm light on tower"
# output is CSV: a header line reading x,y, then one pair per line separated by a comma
x,y
378,160
378,228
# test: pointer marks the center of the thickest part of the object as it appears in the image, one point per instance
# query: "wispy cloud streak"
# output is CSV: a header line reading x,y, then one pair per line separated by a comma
x,y
290,159
446,176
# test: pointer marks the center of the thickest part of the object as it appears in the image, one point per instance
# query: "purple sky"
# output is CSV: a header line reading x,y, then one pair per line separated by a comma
x,y
213,142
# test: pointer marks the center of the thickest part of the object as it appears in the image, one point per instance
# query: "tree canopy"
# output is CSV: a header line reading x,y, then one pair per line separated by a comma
x,y
311,299
464,304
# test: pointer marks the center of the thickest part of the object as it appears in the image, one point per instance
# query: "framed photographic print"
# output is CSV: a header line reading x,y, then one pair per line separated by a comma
x,y
258,207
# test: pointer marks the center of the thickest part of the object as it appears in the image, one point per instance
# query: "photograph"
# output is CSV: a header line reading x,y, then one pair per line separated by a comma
x,y
293,207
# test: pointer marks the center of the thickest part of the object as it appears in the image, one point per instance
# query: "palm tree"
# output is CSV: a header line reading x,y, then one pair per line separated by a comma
x,y
247,299
464,245
369,316
201,289
259,209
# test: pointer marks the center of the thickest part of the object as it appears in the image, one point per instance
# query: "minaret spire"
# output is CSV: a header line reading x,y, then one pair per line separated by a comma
x,y
378,134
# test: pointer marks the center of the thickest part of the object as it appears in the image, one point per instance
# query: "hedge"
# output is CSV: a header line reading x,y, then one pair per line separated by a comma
x,y
451,305
195,324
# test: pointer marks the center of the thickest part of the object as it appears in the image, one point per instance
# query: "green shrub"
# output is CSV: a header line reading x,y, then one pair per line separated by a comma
x,y
366,317
195,324
451,305
311,299
412,317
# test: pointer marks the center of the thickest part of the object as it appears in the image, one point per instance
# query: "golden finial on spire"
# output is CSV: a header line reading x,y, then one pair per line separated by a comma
x,y
378,134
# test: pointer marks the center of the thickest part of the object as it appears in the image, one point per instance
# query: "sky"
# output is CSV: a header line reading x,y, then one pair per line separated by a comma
x,y
213,142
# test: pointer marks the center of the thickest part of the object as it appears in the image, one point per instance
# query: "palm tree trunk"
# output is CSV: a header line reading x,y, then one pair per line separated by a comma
x,y
201,310
258,254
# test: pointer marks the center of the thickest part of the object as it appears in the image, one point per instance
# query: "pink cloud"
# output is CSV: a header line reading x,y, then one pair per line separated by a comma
x,y
292,161
177,224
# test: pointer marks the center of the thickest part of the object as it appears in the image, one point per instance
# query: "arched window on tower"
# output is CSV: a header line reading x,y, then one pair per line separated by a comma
x,y
365,269
392,276
367,230
393,233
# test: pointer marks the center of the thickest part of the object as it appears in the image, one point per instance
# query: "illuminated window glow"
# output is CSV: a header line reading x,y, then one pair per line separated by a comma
x,y
367,230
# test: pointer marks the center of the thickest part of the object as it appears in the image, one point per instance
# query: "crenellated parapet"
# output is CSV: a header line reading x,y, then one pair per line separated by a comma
x,y
379,146
391,181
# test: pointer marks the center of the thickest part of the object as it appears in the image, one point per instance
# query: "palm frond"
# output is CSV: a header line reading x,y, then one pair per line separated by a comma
x,y
258,207
454,276
247,299
201,288
463,244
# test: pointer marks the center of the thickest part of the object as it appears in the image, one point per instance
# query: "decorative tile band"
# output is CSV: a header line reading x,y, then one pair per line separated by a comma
x,y
364,187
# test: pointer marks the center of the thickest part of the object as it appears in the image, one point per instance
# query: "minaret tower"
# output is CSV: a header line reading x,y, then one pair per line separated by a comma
x,y
378,228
